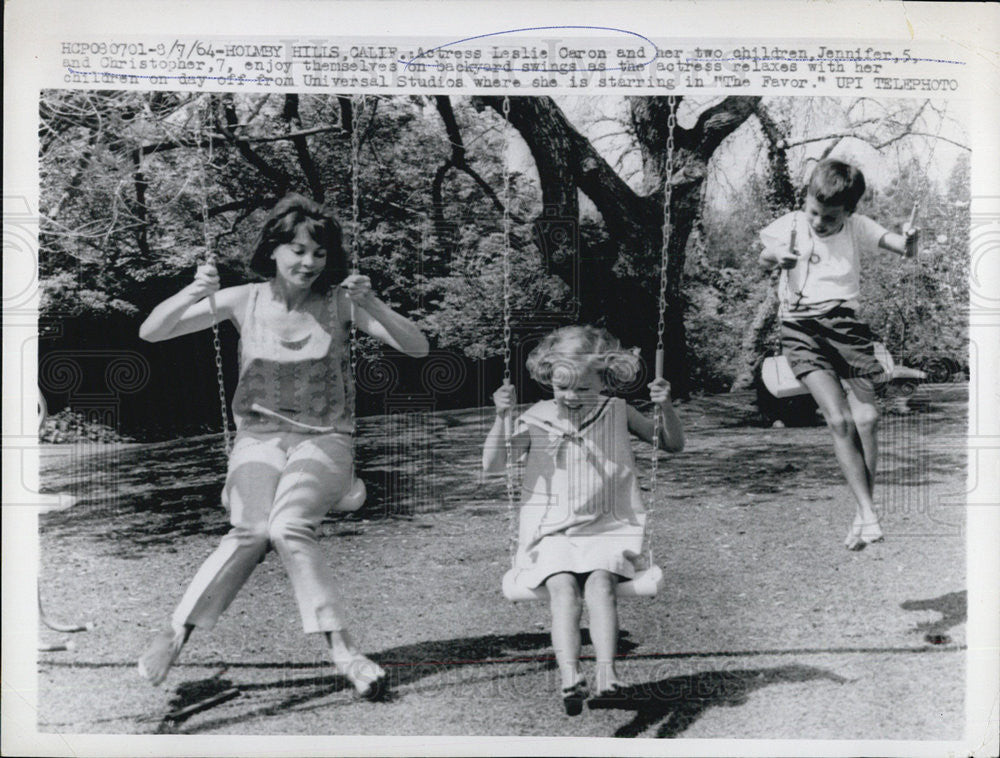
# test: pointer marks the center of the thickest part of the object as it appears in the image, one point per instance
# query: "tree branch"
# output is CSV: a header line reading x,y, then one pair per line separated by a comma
x,y
719,121
293,135
781,190
271,172
291,114
892,140
869,141
346,113
566,160
444,109
457,160
74,183
140,204
833,135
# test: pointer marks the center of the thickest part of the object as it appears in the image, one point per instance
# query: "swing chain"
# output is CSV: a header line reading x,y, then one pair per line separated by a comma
x,y
210,257
506,243
508,447
217,344
668,173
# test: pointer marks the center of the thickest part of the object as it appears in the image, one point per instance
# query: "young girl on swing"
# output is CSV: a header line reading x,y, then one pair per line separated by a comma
x,y
292,456
582,520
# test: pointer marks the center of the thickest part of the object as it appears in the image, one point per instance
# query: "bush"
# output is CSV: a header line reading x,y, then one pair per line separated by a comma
x,y
68,426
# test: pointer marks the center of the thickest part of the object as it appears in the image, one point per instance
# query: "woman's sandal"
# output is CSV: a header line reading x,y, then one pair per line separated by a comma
x,y
161,654
862,534
573,697
612,697
370,681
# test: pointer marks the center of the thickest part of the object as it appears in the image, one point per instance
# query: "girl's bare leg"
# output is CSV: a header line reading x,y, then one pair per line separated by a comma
x,y
564,602
602,607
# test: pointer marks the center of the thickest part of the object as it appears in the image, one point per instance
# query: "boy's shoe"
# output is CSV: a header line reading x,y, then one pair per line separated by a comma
x,y
573,697
155,663
863,534
613,697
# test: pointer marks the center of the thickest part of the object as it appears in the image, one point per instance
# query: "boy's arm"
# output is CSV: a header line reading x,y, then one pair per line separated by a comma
x,y
902,244
875,236
778,240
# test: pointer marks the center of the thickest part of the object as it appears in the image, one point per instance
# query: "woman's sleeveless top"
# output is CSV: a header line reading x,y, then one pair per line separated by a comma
x,y
302,385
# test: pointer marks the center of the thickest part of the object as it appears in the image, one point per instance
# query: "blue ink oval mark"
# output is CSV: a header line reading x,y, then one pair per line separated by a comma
x,y
414,59
831,60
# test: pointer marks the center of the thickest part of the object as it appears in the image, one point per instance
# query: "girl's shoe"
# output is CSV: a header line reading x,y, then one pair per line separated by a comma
x,y
155,663
369,680
862,534
573,697
613,697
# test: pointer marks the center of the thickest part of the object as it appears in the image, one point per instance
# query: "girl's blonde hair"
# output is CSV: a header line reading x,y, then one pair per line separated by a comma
x,y
582,347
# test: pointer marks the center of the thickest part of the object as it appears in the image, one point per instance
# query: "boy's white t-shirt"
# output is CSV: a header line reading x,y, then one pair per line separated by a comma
x,y
828,273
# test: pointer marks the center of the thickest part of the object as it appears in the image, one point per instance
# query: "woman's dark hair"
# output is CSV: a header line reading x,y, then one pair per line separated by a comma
x,y
281,226
834,182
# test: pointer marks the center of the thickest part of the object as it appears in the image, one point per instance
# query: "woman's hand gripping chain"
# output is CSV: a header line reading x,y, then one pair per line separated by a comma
x,y
358,288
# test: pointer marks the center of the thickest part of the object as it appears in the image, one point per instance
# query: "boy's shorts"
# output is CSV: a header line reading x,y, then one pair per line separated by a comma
x,y
835,341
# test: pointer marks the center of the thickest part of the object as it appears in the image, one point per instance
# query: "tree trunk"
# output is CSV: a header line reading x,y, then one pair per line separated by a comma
x,y
758,340
617,284
567,163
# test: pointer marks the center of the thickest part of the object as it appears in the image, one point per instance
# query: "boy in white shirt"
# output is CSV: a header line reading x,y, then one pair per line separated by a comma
x,y
829,349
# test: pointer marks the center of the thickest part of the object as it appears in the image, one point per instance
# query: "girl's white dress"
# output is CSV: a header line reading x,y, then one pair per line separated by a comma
x,y
581,507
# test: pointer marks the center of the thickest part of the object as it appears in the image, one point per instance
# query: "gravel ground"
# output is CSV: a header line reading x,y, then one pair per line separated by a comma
x,y
767,628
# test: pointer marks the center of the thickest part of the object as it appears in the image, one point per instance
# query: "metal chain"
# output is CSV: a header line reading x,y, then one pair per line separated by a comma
x,y
508,447
220,377
210,257
668,173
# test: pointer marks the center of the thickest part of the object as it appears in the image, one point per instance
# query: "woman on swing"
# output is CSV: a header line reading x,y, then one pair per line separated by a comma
x,y
292,457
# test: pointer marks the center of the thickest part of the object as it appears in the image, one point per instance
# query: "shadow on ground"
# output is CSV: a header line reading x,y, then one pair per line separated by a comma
x,y
670,705
677,702
405,665
953,609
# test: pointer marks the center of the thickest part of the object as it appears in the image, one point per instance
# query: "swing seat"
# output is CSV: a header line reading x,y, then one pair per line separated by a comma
x,y
353,499
646,583
776,373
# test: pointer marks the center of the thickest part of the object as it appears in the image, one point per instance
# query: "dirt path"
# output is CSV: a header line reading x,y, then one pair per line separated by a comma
x,y
767,628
